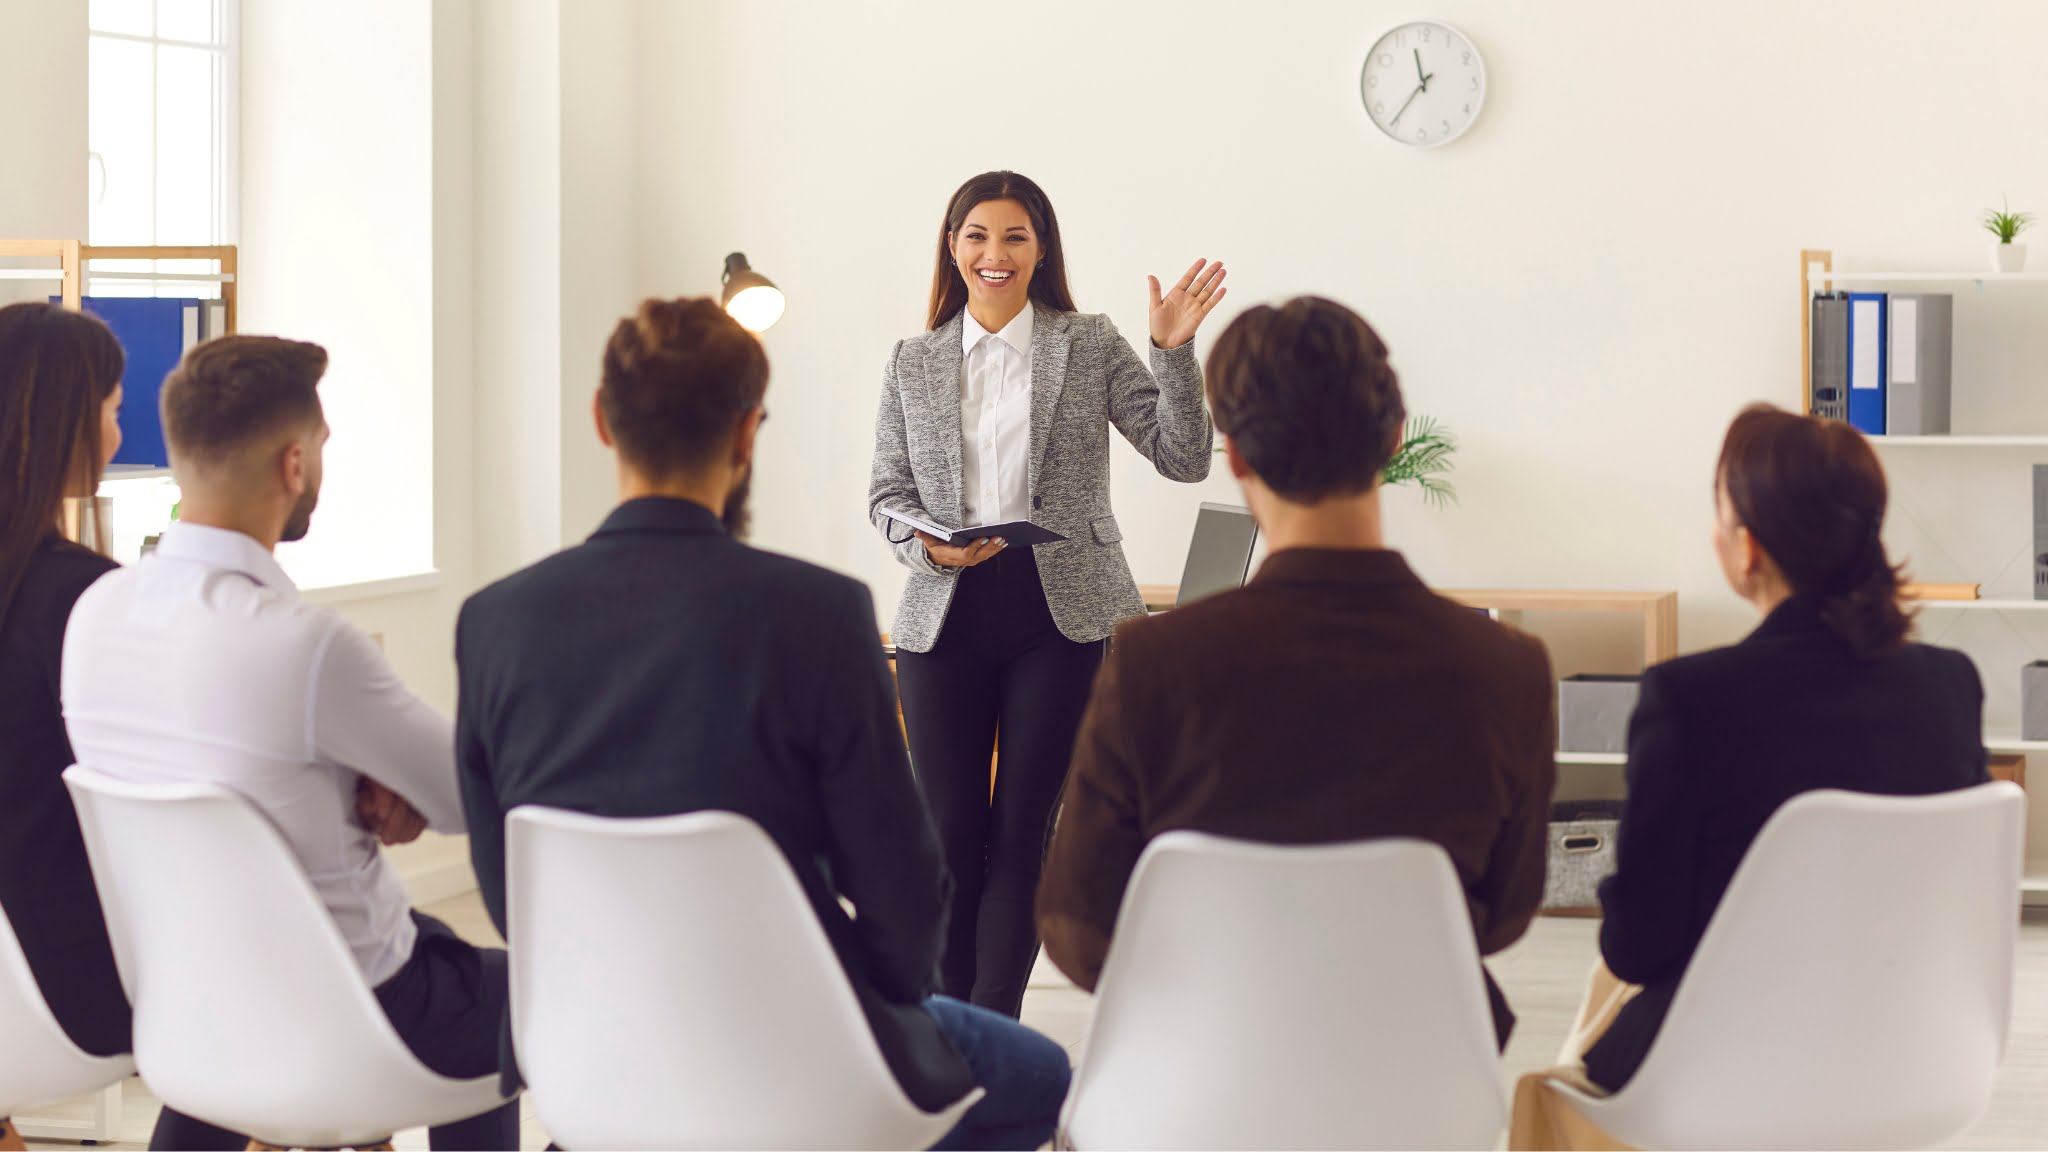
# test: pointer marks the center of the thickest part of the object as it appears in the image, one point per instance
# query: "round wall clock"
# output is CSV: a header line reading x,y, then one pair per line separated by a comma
x,y
1423,83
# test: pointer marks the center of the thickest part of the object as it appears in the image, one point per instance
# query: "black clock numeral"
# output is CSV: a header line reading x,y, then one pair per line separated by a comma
x,y
1379,107
1422,135
1468,58
1468,109
1425,35
1475,83
1386,61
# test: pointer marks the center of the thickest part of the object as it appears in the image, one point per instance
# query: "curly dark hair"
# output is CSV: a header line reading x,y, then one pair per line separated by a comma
x,y
678,377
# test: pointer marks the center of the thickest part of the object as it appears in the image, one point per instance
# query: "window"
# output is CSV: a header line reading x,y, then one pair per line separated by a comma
x,y
162,134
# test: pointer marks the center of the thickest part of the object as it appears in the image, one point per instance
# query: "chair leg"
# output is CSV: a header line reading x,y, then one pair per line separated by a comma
x,y
10,1137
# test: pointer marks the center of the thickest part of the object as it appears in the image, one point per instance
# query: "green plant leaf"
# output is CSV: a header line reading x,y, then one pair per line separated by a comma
x,y
1423,459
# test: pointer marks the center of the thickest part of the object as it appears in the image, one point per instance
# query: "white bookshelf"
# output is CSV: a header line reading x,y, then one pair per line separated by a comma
x,y
1983,605
1615,758
1823,275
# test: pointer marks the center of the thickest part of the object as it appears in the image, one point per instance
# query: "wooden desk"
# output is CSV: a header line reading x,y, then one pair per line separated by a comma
x,y
1658,610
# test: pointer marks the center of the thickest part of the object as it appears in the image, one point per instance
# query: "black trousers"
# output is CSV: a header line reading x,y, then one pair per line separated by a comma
x,y
1001,680
446,1004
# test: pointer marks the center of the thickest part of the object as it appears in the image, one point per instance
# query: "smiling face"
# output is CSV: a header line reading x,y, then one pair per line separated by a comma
x,y
997,250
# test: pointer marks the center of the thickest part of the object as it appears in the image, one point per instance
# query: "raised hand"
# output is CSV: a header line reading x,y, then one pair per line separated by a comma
x,y
1176,315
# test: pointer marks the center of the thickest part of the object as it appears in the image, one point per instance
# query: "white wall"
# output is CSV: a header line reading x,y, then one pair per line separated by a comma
x,y
337,245
357,233
518,215
42,128
1585,288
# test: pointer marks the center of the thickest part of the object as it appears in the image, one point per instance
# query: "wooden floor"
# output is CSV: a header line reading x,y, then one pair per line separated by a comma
x,y
1543,977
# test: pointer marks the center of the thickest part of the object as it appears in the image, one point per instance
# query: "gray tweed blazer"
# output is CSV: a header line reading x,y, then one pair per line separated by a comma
x,y
1084,377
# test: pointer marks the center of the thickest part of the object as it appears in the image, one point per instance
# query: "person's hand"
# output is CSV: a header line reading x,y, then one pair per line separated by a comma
x,y
1176,315
386,814
955,556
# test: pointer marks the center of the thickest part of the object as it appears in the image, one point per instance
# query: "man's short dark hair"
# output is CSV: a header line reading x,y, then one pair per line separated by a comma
x,y
678,376
1306,394
237,391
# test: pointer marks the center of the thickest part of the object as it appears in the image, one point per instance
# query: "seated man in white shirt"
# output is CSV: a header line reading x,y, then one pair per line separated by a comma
x,y
283,702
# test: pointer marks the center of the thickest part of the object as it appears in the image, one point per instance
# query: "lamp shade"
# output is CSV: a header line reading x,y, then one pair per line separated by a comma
x,y
749,297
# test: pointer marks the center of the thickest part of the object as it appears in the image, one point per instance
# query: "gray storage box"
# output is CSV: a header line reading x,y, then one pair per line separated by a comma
x,y
1593,712
2034,701
1581,856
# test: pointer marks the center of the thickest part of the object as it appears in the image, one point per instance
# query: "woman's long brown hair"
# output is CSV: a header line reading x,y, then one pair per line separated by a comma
x,y
57,369
1048,284
1812,494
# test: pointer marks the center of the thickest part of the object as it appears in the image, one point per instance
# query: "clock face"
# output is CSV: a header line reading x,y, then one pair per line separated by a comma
x,y
1423,83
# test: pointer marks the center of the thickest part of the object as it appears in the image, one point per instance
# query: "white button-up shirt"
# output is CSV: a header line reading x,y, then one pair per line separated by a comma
x,y
995,421
201,663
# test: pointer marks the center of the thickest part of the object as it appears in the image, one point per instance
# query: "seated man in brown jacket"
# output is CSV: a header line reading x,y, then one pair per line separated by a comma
x,y
1334,697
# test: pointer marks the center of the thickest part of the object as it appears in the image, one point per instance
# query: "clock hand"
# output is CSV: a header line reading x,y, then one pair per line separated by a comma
x,y
1418,68
1404,105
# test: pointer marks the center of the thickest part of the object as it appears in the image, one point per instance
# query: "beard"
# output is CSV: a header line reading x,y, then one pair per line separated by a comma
x,y
738,517
301,520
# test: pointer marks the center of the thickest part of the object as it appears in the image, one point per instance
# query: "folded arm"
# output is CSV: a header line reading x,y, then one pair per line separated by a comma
x,y
365,719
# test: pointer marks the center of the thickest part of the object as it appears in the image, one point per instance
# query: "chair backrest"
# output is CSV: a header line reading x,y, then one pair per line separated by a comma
x,y
1259,996
1854,987
676,959
250,1011
38,1062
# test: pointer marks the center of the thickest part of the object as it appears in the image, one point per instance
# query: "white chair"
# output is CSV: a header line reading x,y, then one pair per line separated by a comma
x,y
1259,996
250,1012
40,1065
1853,989
672,988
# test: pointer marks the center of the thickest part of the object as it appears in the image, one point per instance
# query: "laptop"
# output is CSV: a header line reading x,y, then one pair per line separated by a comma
x,y
1220,554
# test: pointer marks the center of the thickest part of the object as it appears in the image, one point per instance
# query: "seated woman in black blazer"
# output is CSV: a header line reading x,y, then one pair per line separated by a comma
x,y
1826,693
60,391
60,395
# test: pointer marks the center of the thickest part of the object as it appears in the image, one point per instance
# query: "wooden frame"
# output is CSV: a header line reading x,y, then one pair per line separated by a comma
x,y
1657,610
73,258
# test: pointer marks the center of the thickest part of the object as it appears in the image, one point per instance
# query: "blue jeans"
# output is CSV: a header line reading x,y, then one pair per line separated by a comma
x,y
1022,1073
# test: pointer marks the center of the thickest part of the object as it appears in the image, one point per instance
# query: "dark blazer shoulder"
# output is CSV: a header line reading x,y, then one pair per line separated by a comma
x,y
66,569
57,576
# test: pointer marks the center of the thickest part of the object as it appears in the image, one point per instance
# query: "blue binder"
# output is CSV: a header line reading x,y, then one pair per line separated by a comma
x,y
155,332
1867,367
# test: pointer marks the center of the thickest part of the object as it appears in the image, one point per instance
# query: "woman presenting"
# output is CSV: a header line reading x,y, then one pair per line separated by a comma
x,y
1001,412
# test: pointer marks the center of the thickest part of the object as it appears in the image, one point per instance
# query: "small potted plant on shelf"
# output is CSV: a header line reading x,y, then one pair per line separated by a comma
x,y
1423,459
2007,256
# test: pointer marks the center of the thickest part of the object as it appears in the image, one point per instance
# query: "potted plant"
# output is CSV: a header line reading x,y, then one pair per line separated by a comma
x,y
1423,459
2007,256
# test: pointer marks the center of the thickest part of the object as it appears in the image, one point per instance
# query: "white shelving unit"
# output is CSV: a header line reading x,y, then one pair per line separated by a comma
x,y
1978,278
1615,758
1818,274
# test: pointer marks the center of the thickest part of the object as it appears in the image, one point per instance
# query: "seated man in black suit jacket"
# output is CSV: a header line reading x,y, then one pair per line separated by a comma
x,y
662,666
